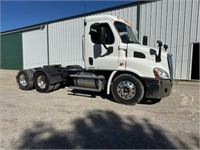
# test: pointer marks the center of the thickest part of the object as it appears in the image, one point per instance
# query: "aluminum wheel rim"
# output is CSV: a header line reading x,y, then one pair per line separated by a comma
x,y
23,80
126,90
41,82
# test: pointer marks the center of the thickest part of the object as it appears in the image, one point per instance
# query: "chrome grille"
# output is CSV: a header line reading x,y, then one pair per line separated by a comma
x,y
170,64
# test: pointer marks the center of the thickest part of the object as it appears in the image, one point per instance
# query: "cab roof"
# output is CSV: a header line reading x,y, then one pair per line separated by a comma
x,y
104,17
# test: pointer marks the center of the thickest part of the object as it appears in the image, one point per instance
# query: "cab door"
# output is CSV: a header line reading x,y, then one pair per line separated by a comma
x,y
97,56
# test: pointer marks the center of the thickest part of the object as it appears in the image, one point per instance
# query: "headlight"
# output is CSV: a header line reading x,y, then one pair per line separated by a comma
x,y
160,73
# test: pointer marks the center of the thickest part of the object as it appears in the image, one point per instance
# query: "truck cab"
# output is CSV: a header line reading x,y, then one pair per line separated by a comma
x,y
114,62
117,50
120,51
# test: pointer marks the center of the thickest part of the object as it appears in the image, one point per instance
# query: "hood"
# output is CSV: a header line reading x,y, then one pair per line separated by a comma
x,y
146,49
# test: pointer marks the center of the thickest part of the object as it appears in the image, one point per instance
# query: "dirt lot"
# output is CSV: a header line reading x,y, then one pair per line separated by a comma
x,y
63,120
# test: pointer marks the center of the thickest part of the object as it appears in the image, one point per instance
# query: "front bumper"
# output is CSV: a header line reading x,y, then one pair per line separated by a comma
x,y
157,88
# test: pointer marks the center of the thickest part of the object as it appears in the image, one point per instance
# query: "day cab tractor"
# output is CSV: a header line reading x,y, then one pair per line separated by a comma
x,y
114,62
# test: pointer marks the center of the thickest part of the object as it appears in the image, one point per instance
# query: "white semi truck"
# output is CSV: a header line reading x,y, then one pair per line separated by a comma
x,y
114,62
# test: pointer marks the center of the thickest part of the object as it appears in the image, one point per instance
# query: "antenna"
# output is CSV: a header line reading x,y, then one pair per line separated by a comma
x,y
85,7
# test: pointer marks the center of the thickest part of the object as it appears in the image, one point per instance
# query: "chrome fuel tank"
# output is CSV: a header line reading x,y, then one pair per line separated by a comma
x,y
86,79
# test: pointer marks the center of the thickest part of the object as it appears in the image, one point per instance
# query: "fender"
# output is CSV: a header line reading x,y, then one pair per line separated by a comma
x,y
53,75
109,81
128,70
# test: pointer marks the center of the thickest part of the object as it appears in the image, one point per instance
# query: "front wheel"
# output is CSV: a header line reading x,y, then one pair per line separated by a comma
x,y
127,89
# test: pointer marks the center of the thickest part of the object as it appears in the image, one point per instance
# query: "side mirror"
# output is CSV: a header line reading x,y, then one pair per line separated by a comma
x,y
145,40
159,43
102,35
165,47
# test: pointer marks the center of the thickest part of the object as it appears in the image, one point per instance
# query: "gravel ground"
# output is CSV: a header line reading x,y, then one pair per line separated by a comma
x,y
62,120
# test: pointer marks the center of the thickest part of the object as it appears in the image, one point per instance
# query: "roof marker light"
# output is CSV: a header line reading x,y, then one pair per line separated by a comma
x,y
126,21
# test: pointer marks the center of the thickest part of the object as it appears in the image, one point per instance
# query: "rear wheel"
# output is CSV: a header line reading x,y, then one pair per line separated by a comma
x,y
42,83
127,89
25,79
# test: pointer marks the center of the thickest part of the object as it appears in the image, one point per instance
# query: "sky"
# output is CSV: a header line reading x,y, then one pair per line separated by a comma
x,y
16,14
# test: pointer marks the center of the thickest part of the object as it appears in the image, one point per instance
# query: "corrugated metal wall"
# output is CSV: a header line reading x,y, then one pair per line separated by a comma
x,y
176,23
65,42
35,52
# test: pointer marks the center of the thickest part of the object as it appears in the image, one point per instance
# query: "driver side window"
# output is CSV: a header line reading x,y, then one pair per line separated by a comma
x,y
94,33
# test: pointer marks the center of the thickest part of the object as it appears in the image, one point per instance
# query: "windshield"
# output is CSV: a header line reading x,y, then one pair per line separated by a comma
x,y
125,33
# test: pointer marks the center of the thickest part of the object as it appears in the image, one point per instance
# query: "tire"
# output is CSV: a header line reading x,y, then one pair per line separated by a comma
x,y
127,89
25,79
56,86
42,83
